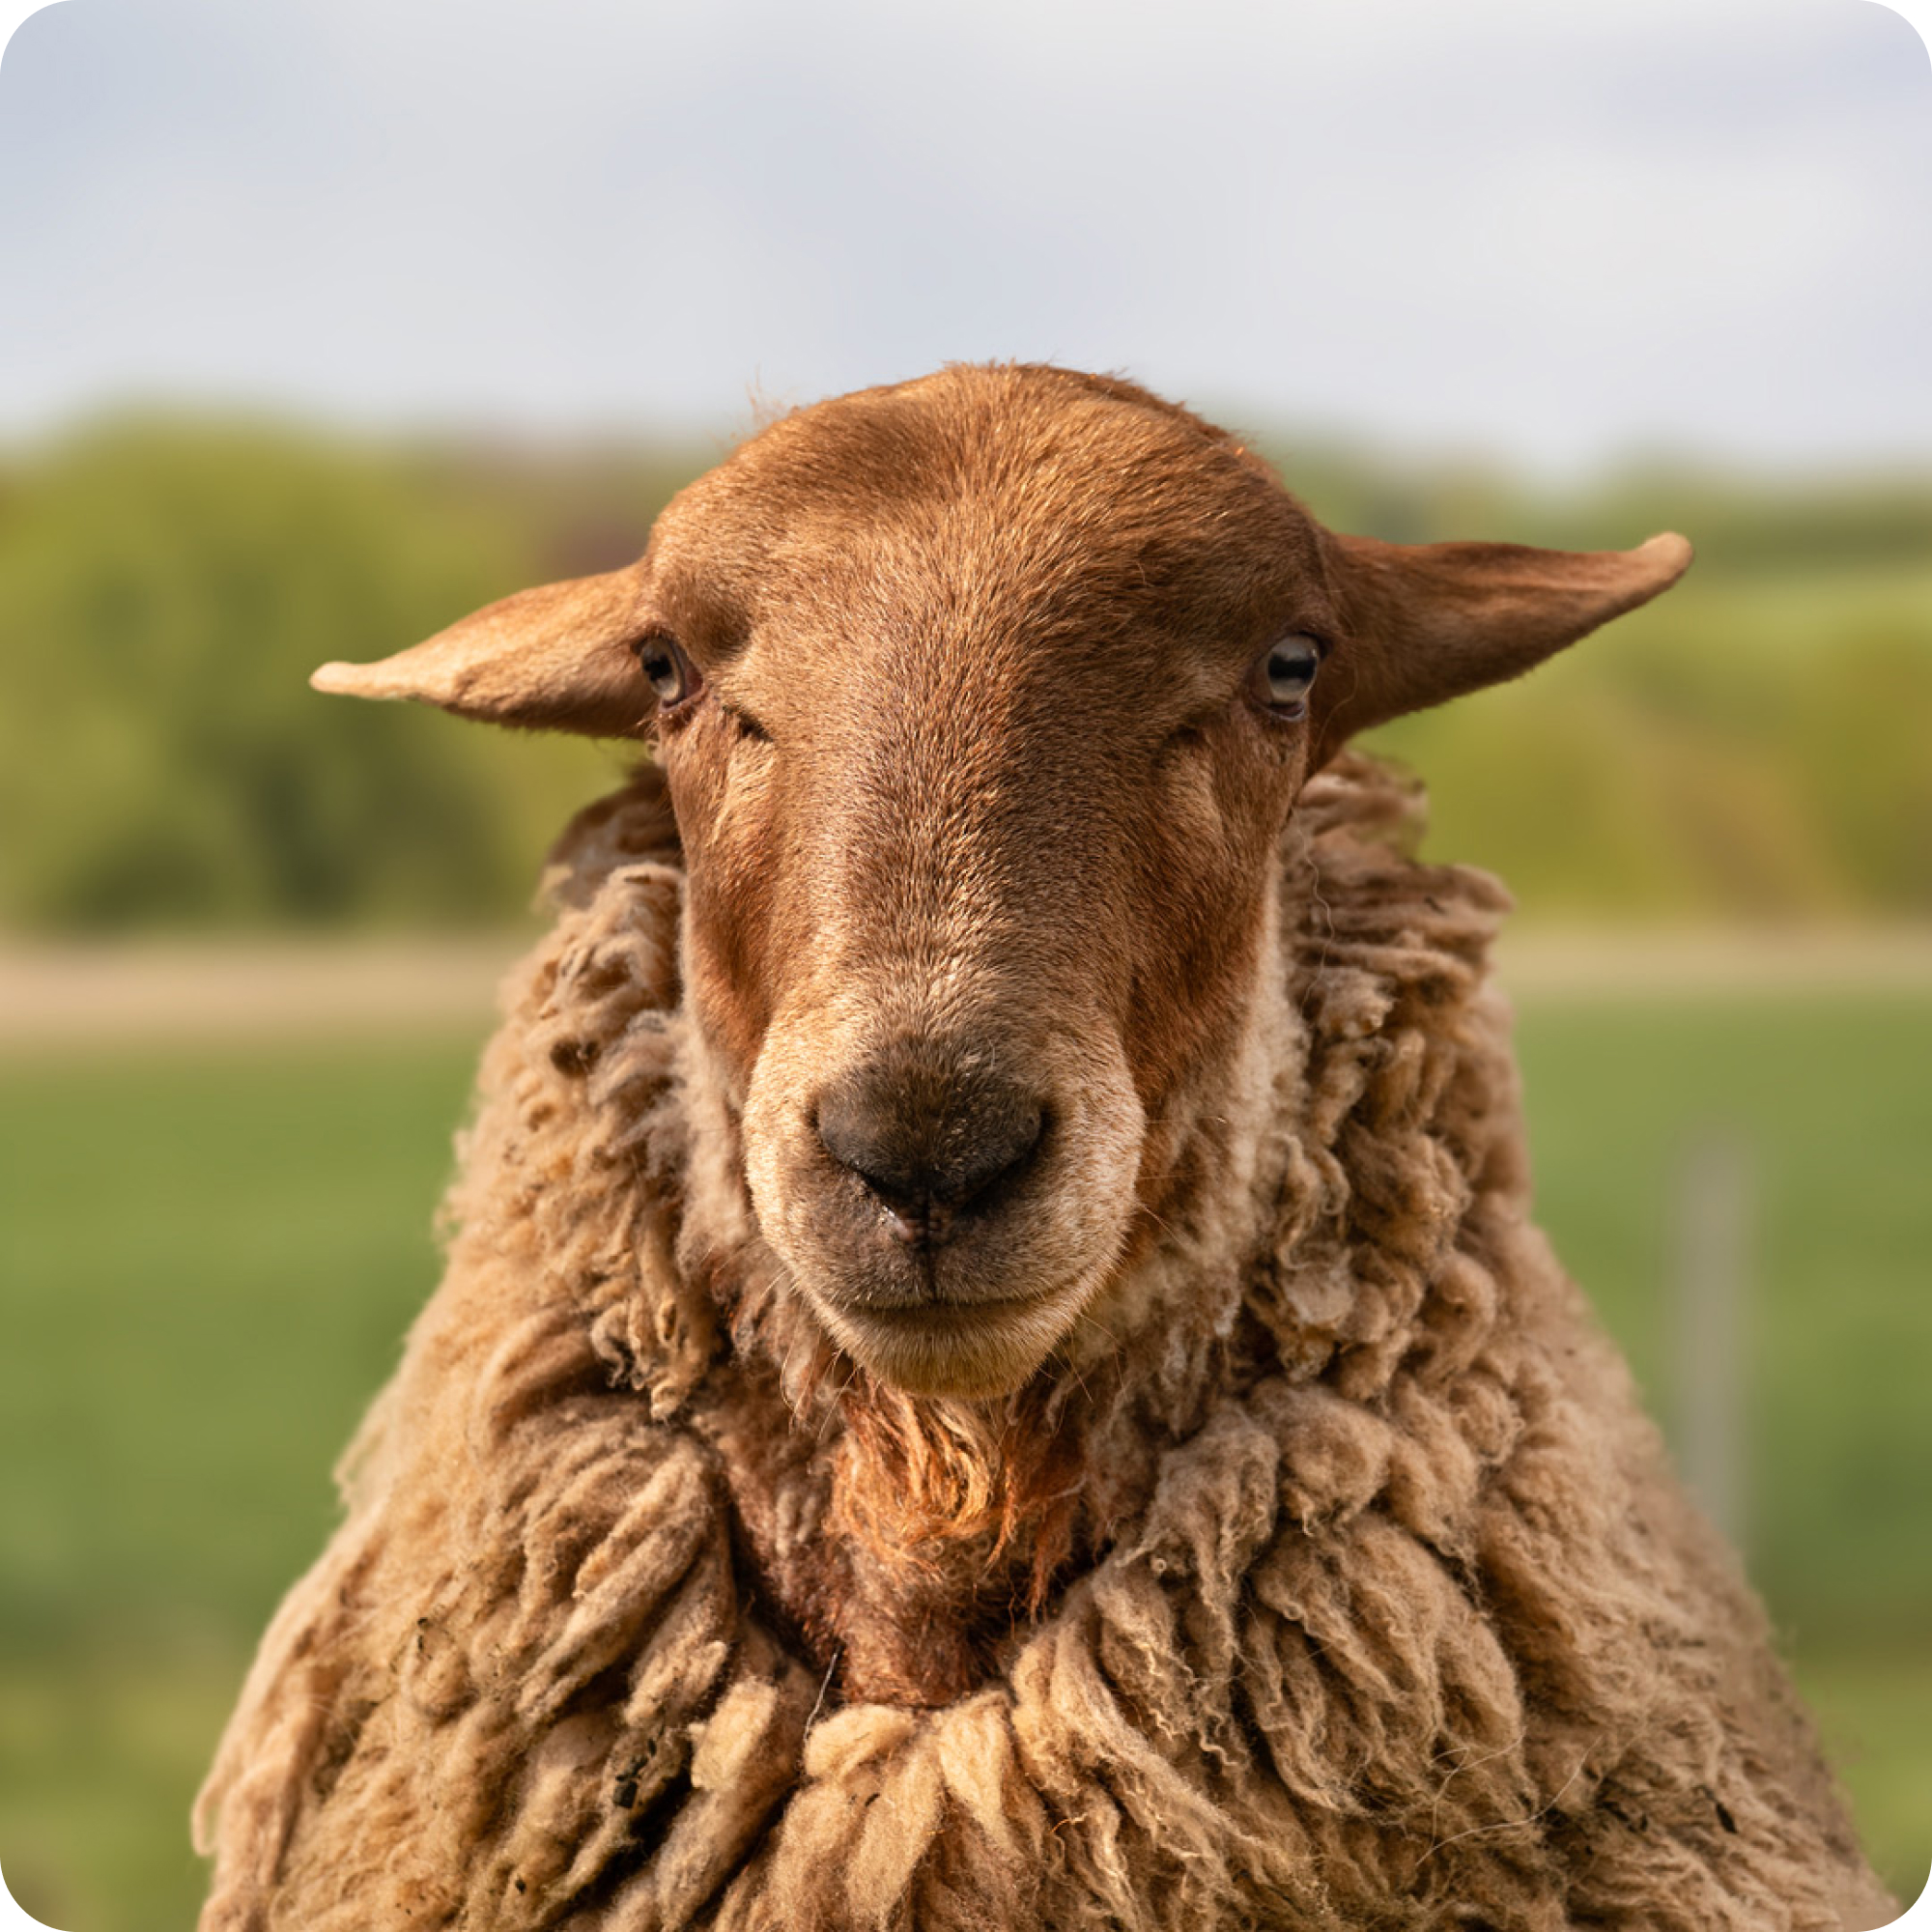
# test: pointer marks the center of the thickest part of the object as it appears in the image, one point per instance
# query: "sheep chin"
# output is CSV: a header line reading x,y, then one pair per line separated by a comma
x,y
967,1351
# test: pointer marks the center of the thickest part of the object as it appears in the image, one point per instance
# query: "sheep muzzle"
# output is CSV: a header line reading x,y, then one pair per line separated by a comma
x,y
947,1220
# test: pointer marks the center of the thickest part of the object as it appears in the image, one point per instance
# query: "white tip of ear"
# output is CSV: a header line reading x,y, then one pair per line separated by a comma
x,y
371,680
339,680
1667,553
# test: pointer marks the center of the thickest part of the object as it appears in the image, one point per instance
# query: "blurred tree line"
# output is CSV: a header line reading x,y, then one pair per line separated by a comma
x,y
1756,745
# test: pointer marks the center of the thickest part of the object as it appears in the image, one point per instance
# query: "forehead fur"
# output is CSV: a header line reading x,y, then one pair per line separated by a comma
x,y
1077,494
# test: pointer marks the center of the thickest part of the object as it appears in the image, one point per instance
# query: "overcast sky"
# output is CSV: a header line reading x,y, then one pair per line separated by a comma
x,y
1559,233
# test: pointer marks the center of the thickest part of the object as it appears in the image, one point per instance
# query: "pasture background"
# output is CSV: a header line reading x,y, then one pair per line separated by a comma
x,y
325,322
209,1246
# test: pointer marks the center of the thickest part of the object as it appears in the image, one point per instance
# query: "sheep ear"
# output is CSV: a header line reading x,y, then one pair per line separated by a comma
x,y
557,657
1427,622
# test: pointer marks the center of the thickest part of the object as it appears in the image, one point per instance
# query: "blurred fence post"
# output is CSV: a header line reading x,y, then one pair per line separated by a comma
x,y
1712,1213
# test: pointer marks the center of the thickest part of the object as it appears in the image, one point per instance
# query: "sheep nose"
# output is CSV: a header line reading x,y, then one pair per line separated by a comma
x,y
929,1138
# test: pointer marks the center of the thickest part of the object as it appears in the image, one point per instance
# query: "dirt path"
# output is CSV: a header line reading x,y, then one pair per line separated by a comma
x,y
1619,964
65,995
70,996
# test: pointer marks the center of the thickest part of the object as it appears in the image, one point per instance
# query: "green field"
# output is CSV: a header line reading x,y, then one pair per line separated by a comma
x,y
208,1262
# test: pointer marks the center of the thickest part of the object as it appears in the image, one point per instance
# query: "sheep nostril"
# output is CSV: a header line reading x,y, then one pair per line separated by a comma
x,y
926,1149
923,1224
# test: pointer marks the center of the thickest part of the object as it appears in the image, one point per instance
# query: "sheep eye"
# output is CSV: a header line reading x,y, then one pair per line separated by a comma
x,y
1282,678
666,667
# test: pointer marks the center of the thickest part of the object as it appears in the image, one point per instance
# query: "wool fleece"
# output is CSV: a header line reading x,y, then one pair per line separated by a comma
x,y
1352,1592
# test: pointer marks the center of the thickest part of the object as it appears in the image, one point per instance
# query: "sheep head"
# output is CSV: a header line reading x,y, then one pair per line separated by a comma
x,y
984,703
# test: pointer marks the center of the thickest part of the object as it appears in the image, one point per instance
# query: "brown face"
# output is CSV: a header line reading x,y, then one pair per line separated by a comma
x,y
984,703
979,770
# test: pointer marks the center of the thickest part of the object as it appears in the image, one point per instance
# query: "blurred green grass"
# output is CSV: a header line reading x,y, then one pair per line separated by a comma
x,y
209,1260
210,1257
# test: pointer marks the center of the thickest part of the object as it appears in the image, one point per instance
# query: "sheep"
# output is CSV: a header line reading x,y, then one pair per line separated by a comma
x,y
993,1370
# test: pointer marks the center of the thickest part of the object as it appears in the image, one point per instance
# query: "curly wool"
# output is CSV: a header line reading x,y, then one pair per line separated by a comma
x,y
1354,1593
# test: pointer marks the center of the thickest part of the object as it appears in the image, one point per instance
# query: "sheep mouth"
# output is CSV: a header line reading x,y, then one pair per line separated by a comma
x,y
949,1347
